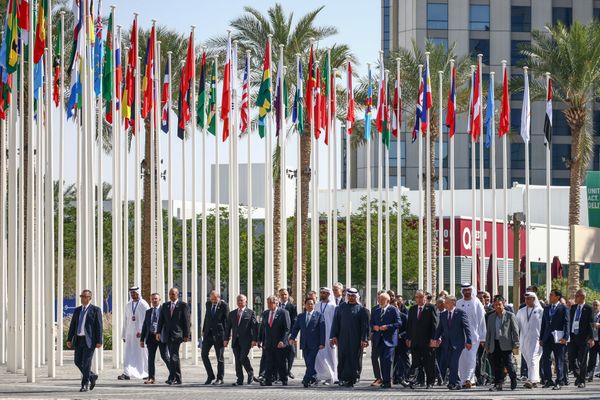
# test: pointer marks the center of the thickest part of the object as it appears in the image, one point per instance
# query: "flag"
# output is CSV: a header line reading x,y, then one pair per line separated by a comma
x,y
244,109
526,112
56,66
489,113
148,82
4,95
317,118
368,106
310,85
118,72
548,119
387,123
451,108
185,83
78,49
476,107
180,119
263,100
419,110
164,121
326,99
129,90
226,97
396,110
108,76
350,112
381,99
23,12
9,51
427,101
298,110
470,108
505,108
212,101
98,76
40,31
201,104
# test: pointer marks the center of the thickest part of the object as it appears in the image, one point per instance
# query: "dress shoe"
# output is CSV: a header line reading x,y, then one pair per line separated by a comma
x,y
284,383
208,381
238,383
123,377
178,382
467,385
597,375
150,381
454,387
83,389
528,385
169,382
581,385
264,383
305,384
93,380
439,381
556,387
513,384
496,388
376,382
403,383
257,379
218,382
291,376
429,386
548,384
348,384
250,379
386,385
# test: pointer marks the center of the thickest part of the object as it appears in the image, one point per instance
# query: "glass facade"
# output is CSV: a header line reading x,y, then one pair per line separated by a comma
x,y
562,14
515,51
437,16
480,46
520,19
561,154
560,127
440,41
479,17
386,27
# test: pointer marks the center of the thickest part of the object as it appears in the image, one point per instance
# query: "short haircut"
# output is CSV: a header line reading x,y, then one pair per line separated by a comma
x,y
309,299
88,291
241,296
451,298
338,285
283,290
419,293
440,300
428,296
385,296
215,293
155,294
581,292
380,292
557,293
273,299
499,297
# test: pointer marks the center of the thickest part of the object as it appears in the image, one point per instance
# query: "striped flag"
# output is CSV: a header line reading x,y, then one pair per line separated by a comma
x,y
263,101
244,109
526,112
489,113
148,82
451,108
397,109
368,107
226,96
381,99
476,107
78,49
108,78
548,119
164,120
350,113
98,54
298,110
427,101
418,112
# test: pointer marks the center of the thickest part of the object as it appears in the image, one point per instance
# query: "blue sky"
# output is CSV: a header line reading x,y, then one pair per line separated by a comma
x,y
358,24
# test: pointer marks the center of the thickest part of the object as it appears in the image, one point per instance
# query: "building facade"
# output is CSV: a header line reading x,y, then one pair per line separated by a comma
x,y
496,29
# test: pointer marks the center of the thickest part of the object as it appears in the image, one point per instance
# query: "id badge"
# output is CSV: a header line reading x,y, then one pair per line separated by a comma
x,y
154,326
133,318
576,325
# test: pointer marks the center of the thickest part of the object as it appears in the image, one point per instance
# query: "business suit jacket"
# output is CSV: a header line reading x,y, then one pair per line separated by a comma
x,y
147,336
558,322
269,336
312,335
92,326
585,324
420,332
391,318
456,334
243,333
509,332
215,325
292,310
176,327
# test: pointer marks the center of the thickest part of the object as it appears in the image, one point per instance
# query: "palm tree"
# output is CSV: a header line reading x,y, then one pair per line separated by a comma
x,y
572,57
251,30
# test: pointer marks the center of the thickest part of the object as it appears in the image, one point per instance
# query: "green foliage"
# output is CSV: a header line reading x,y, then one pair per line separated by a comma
x,y
562,284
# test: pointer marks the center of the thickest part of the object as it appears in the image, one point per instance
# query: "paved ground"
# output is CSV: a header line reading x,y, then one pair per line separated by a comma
x,y
66,385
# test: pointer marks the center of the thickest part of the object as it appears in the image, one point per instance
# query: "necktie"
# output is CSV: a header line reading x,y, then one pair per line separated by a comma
x,y
382,312
450,319
154,317
172,308
271,319
552,310
577,316
337,301
81,316
239,316
214,309
308,315
420,311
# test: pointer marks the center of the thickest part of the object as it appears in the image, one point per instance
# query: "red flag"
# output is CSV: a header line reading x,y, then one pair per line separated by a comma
x,y
505,108
24,15
310,86
185,82
148,83
317,109
381,102
350,113
129,90
476,107
245,108
451,109
397,109
226,97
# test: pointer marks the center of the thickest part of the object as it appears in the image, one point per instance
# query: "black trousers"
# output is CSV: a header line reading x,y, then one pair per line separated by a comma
x,y
291,356
153,345
592,359
241,360
275,363
207,343
83,360
422,357
501,359
401,361
173,356
578,353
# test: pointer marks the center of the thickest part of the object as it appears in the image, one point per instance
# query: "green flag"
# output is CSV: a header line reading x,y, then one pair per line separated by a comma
x,y
108,73
212,101
201,106
264,94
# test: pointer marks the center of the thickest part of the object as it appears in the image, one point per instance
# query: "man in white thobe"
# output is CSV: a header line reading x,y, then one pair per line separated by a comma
x,y
326,361
529,319
476,317
135,358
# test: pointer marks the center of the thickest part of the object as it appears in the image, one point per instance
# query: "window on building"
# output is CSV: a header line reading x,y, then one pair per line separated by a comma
x,y
437,16
517,155
515,51
597,14
595,164
562,14
561,154
560,127
515,120
386,27
561,182
516,95
480,46
479,17
440,41
520,19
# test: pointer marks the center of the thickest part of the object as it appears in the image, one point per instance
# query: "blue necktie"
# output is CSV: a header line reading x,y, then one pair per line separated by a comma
x,y
81,315
577,316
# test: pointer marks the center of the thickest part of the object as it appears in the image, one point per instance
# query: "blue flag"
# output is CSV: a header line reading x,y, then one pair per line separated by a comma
x,y
489,113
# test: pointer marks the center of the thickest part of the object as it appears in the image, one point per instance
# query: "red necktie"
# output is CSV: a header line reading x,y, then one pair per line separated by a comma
x,y
419,313
271,319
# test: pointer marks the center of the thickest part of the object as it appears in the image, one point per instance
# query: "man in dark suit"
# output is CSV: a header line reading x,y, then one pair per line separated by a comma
x,y
582,337
242,330
453,330
173,329
285,303
274,334
148,338
595,349
554,335
85,333
421,328
385,321
338,293
213,334
502,337
311,326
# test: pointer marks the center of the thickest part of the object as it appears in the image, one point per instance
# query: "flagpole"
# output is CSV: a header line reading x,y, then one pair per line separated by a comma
x,y
399,184
369,276
150,159
230,194
3,242
482,263
387,186
548,198
137,257
428,192
184,260
282,174
379,184
420,240
330,243
494,254
194,306
100,219
170,177
21,243
348,184
452,216
473,198
334,208
160,249
250,235
236,172
123,272
527,208
505,203
204,271
268,280
315,194
298,288
441,188
217,189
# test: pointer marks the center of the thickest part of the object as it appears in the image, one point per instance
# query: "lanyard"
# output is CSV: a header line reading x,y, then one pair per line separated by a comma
x,y
529,314
323,306
137,303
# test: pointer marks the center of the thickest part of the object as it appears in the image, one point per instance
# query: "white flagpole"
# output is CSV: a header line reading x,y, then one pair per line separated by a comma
x,y
204,279
282,174
334,209
452,227
494,254
527,208
441,187
153,182
217,196
194,305
236,191
100,217
399,186
380,103
230,197
160,251
298,288
420,240
21,202
269,223
369,276
428,194
250,267
184,260
482,266
548,205
505,203
473,200
348,201
387,191
330,243
123,273
137,257
170,177
3,240
315,198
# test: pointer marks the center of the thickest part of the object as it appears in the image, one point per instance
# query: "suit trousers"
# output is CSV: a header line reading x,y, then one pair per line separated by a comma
x,y
310,355
401,361
559,357
83,360
207,343
501,359
241,360
291,356
578,353
382,357
451,359
275,363
592,358
153,345
173,356
422,357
